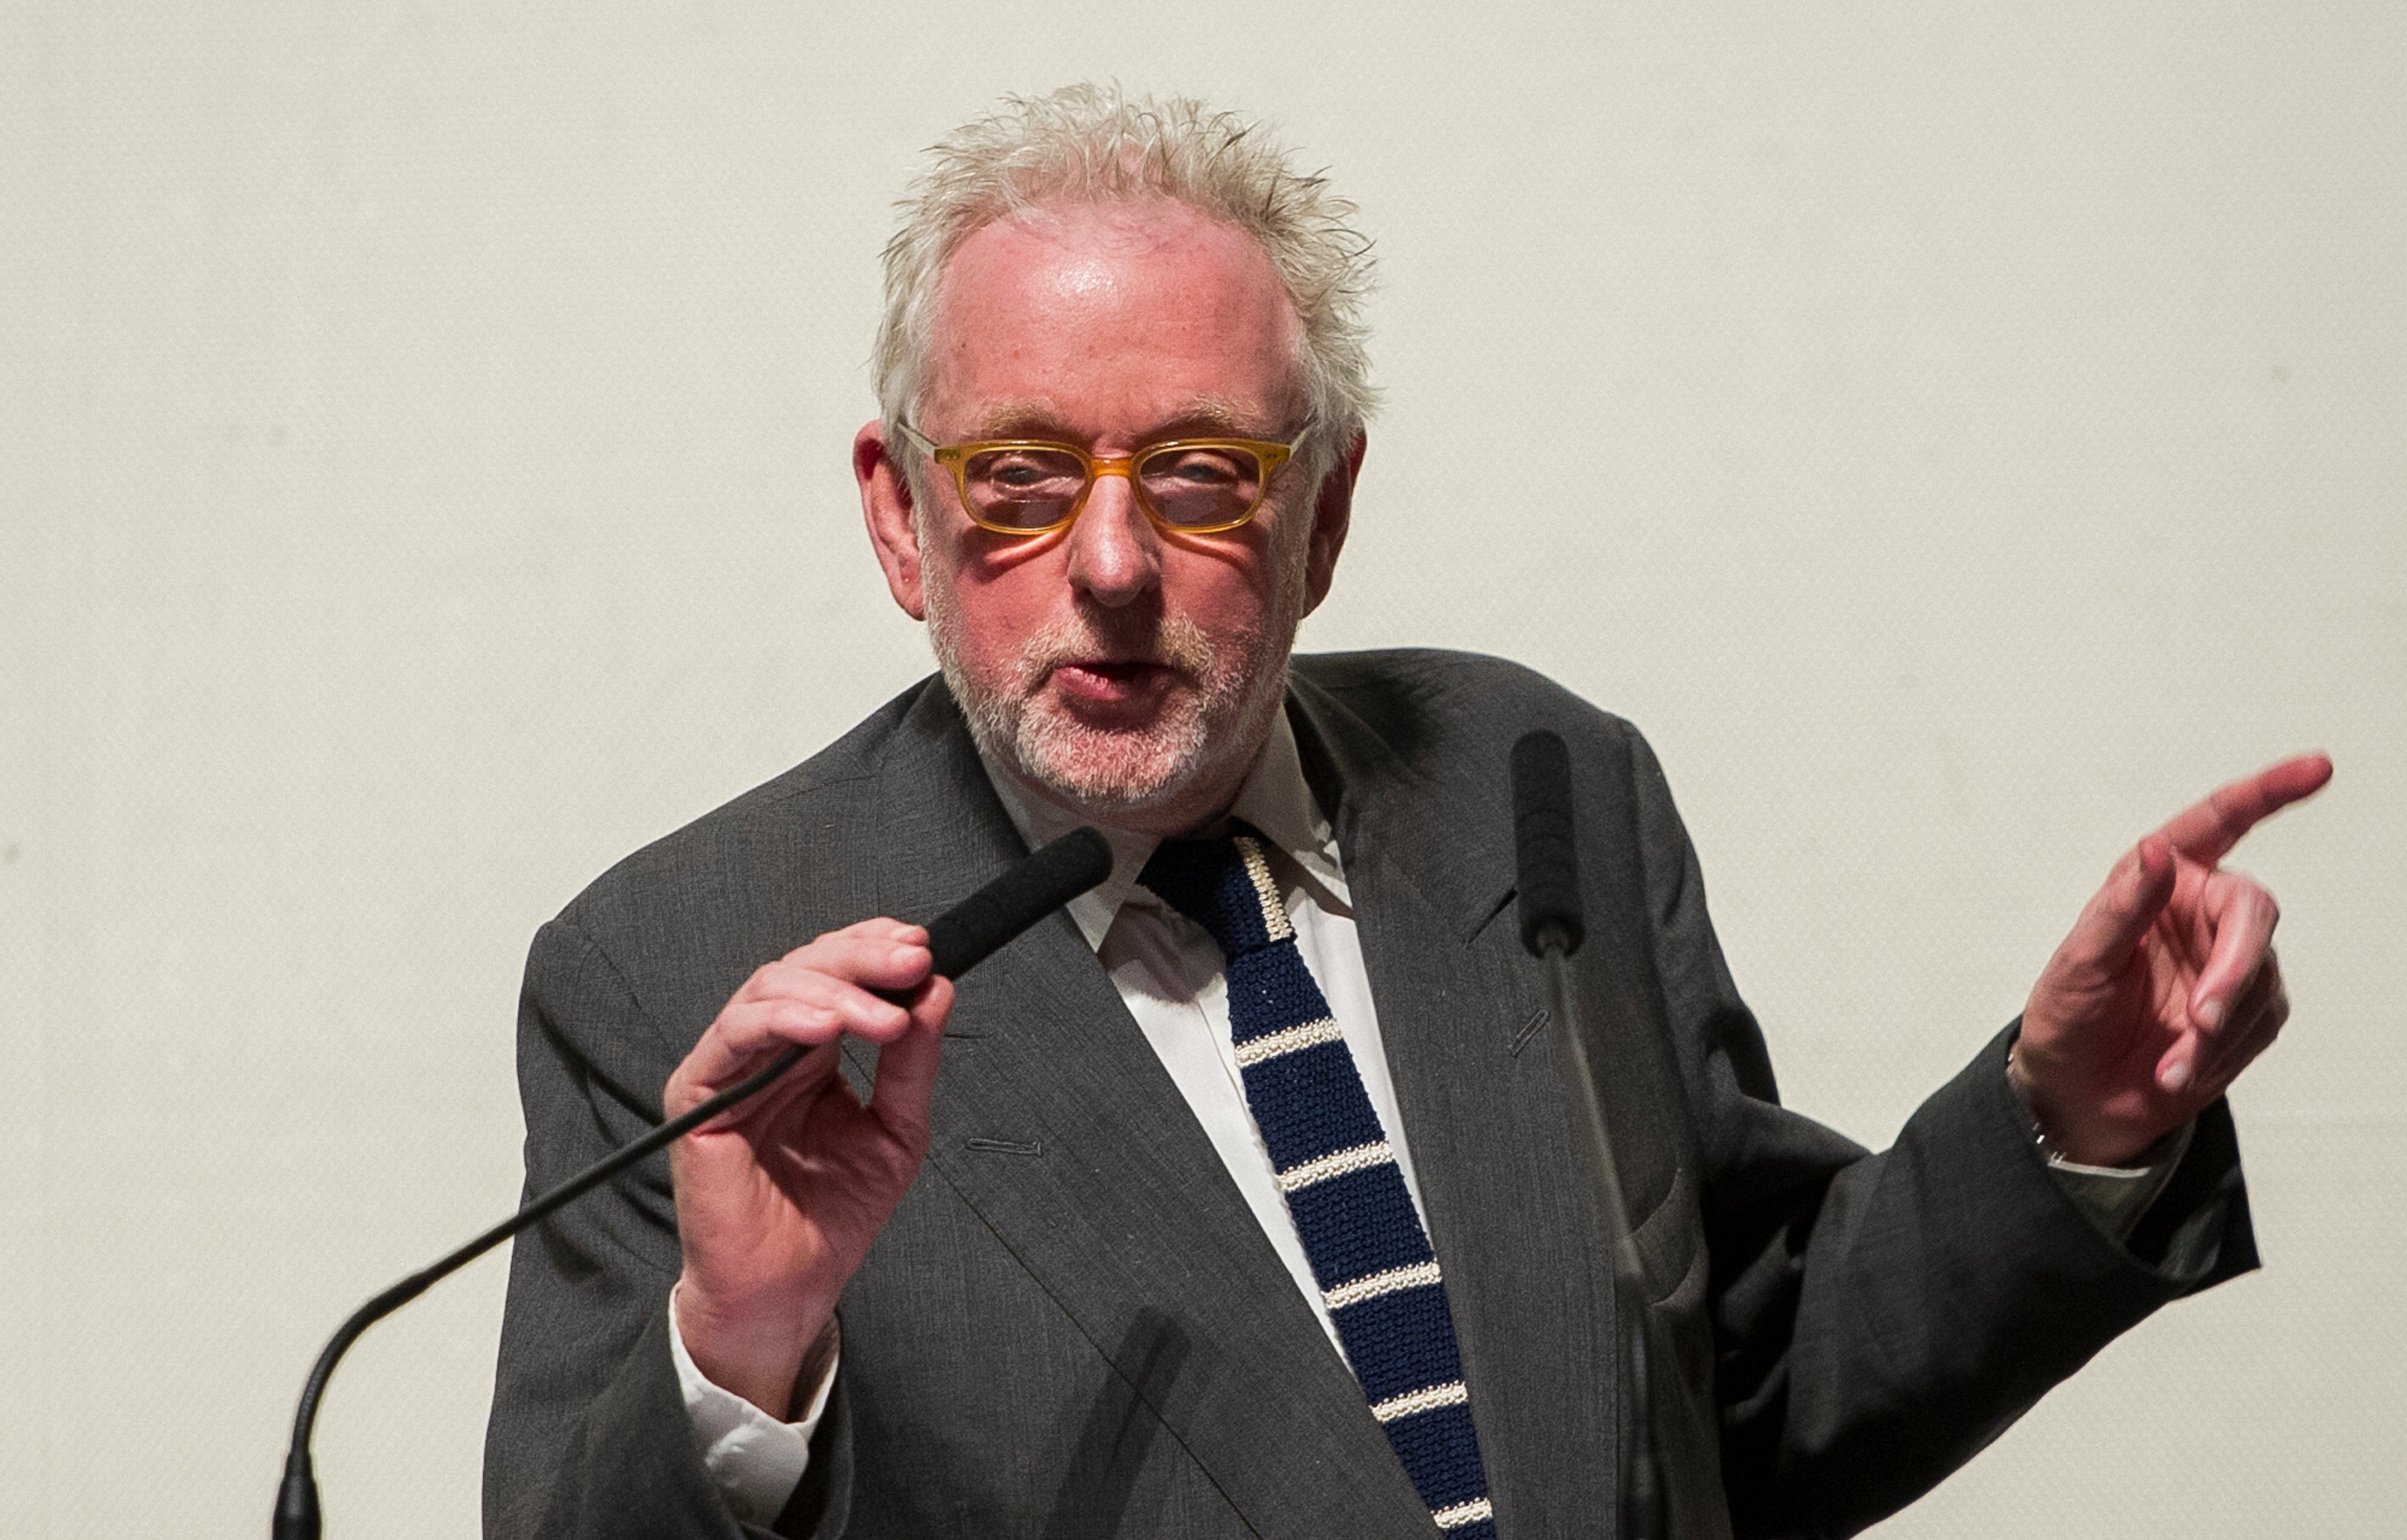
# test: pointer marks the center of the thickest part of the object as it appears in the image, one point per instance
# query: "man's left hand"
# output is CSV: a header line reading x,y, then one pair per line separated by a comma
x,y
2168,985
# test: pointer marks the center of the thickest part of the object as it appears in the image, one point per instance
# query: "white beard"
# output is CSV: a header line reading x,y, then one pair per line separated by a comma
x,y
1220,710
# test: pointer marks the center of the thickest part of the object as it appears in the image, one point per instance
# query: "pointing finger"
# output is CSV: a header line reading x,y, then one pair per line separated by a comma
x,y
2206,831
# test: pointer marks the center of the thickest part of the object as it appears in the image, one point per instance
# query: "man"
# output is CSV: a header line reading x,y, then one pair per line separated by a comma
x,y
1094,1278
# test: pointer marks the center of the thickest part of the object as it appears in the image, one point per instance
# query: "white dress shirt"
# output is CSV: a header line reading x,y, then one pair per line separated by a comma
x,y
1168,973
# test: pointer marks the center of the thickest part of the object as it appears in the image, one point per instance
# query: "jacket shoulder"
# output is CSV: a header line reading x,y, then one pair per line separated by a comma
x,y
778,855
1411,696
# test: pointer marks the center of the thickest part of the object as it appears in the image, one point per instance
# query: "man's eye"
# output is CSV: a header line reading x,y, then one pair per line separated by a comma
x,y
1025,471
1196,468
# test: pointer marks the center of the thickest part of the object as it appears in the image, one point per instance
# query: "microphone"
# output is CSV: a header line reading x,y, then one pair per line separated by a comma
x,y
959,939
1553,924
1551,920
975,929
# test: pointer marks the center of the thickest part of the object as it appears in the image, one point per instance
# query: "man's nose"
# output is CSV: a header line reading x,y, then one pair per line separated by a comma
x,y
1115,551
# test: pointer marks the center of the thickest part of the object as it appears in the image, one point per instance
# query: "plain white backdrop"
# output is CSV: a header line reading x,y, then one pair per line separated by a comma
x,y
1958,436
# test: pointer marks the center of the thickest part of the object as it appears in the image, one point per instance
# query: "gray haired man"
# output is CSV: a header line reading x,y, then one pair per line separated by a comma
x,y
1071,1285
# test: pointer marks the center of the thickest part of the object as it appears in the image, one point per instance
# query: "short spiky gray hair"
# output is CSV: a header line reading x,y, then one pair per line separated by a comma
x,y
1093,144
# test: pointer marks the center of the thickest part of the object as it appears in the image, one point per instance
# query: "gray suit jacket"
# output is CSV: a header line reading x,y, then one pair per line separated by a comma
x,y
1073,1327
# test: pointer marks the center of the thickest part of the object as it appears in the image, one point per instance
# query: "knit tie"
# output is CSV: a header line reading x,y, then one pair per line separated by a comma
x,y
1368,1254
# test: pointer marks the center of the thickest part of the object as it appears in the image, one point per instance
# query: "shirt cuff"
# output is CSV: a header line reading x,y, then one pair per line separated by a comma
x,y
2117,1196
754,1459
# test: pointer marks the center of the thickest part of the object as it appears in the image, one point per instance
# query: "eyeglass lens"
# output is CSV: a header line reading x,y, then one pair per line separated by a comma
x,y
1036,489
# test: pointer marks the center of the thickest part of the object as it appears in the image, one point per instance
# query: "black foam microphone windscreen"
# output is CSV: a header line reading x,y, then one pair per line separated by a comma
x,y
1547,859
962,935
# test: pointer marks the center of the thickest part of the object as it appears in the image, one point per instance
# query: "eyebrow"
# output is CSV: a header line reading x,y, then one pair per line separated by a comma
x,y
1202,416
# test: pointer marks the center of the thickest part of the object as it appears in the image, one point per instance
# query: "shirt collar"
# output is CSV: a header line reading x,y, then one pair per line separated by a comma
x,y
1274,799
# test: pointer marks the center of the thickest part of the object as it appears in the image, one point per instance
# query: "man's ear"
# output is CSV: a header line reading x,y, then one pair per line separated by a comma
x,y
886,509
1333,511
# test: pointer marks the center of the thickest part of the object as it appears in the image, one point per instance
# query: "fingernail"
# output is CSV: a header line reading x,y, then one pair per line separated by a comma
x,y
2176,1075
2210,1014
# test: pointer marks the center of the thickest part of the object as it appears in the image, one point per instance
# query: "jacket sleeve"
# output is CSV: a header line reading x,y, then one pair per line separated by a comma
x,y
589,1435
1877,1319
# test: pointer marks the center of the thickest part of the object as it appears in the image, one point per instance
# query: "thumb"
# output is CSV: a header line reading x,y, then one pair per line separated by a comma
x,y
2135,893
907,1067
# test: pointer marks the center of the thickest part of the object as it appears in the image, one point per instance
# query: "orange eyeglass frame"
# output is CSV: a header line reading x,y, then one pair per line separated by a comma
x,y
955,458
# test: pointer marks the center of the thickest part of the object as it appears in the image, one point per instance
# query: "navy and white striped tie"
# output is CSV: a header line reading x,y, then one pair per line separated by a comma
x,y
1343,1188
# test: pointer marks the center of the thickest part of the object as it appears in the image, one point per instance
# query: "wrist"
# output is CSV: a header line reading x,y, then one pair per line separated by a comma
x,y
2061,1138
758,1349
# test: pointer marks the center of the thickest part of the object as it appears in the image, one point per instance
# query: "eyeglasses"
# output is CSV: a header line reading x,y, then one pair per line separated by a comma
x,y
1189,486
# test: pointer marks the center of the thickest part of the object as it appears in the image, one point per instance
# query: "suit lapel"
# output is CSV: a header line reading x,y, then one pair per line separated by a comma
x,y
1511,1217
1124,1214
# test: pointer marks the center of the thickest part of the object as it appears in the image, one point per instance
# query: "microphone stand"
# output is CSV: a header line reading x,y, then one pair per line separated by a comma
x,y
957,940
1552,926
1644,1504
296,1498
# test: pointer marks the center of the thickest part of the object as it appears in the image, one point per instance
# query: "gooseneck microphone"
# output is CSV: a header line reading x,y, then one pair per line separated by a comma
x,y
1553,924
959,939
1546,858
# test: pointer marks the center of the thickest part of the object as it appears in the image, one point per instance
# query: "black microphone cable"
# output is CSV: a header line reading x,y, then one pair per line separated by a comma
x,y
959,939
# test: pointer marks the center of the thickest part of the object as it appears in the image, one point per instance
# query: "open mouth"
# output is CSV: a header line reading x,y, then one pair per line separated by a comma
x,y
1110,681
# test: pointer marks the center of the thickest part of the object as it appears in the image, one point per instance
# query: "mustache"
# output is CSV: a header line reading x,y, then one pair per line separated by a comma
x,y
1173,641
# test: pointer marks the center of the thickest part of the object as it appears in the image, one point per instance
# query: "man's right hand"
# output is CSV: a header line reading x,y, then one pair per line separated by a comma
x,y
779,1199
